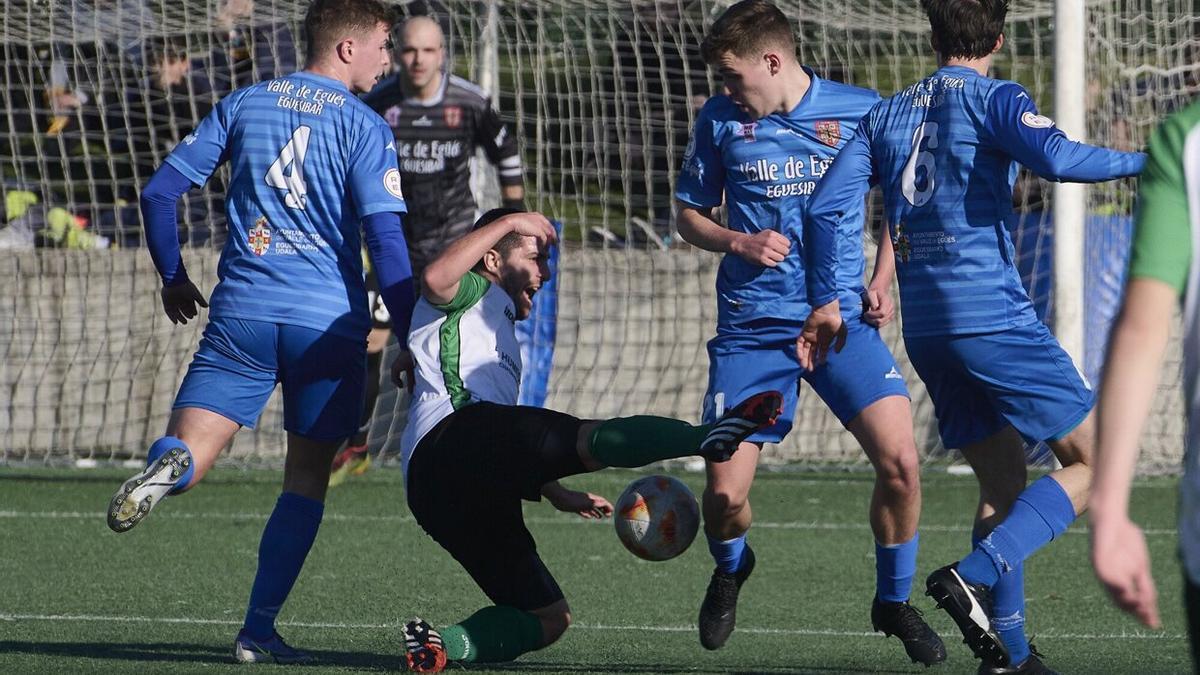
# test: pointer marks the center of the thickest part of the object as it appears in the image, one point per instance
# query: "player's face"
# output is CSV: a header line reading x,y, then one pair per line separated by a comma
x,y
372,62
422,53
522,272
749,82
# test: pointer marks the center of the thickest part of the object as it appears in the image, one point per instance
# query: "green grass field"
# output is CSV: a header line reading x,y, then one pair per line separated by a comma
x,y
169,596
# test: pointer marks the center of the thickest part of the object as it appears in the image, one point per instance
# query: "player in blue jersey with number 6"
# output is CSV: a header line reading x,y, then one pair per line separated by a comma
x,y
761,148
310,164
944,151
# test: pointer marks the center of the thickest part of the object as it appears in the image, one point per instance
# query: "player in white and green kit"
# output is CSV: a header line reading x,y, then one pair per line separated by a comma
x,y
471,455
1164,269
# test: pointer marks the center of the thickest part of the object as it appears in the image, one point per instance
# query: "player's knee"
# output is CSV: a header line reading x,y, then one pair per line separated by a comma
x,y
554,625
900,474
723,504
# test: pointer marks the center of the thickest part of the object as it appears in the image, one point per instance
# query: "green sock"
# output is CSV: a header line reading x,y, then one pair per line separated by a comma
x,y
493,635
637,441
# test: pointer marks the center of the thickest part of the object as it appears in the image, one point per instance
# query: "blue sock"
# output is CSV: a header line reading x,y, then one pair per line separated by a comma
x,y
895,566
286,539
727,554
161,447
1042,512
1008,610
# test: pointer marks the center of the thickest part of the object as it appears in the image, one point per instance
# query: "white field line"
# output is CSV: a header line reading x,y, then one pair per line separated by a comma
x,y
98,516
808,632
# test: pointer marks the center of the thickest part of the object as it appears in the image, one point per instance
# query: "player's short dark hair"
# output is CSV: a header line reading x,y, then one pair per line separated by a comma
x,y
509,241
328,21
966,29
746,29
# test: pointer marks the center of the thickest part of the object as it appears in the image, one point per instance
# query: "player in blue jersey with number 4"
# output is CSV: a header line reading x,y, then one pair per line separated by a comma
x,y
762,148
943,151
309,165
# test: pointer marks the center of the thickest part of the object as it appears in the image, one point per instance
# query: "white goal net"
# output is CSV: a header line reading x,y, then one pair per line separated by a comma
x,y
601,94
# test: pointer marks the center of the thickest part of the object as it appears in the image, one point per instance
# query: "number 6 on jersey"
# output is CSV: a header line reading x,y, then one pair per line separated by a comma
x,y
287,171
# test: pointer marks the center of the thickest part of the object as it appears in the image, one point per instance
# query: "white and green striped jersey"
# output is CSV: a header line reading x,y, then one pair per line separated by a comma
x,y
1166,247
465,351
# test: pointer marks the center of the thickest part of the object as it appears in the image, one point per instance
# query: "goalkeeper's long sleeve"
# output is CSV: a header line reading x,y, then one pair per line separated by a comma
x,y
158,201
389,255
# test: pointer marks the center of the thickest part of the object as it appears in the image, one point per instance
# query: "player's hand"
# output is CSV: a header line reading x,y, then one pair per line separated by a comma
x,y
878,307
767,248
586,504
1122,565
824,328
403,368
534,224
179,302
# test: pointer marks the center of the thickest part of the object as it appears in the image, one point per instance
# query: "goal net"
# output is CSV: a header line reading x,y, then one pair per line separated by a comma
x,y
601,94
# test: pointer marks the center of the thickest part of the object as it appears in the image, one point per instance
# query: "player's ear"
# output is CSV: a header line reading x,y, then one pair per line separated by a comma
x,y
491,261
345,50
999,43
774,62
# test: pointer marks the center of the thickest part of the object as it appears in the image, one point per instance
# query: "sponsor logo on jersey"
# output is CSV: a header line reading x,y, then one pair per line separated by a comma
x,y
829,132
901,244
392,115
453,116
260,236
1036,121
747,131
391,181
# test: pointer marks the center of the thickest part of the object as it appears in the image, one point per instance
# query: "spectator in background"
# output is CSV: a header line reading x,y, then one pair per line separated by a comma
x,y
249,46
160,109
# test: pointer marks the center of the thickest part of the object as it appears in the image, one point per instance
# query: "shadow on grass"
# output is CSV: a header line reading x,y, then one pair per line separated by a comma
x,y
184,653
562,667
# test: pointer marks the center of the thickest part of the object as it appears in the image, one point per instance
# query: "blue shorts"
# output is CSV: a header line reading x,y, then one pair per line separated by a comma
x,y
761,355
239,361
982,383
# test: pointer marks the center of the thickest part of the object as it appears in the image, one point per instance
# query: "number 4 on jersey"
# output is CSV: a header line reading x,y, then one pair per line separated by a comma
x,y
287,171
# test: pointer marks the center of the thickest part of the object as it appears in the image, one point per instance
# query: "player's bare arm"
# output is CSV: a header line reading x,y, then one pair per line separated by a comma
x,y
878,307
698,228
439,282
1131,374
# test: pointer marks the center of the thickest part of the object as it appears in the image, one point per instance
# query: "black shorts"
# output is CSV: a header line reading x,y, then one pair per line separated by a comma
x,y
1191,600
466,480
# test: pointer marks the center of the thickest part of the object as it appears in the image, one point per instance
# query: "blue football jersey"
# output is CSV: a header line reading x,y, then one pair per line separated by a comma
x,y
308,160
766,170
942,151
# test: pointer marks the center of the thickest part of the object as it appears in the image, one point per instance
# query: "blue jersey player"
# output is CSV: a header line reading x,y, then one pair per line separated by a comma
x,y
762,148
943,151
309,165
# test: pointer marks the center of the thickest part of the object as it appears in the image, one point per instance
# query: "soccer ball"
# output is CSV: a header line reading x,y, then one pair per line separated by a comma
x,y
657,517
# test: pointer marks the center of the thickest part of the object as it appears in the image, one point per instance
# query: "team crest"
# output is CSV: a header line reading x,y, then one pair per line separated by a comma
x,y
747,131
453,116
901,244
829,132
260,236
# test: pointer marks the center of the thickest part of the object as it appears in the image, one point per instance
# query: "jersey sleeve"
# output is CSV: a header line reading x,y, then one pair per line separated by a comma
x,y
374,178
1032,139
841,190
470,289
499,145
200,153
702,181
1162,244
